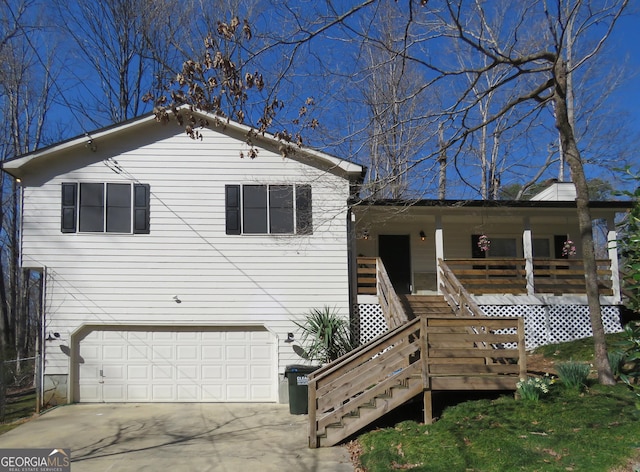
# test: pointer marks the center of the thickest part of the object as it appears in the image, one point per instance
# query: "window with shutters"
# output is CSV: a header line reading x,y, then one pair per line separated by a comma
x,y
268,209
105,208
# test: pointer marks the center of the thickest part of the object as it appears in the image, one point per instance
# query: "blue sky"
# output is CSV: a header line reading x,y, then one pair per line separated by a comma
x,y
627,38
625,44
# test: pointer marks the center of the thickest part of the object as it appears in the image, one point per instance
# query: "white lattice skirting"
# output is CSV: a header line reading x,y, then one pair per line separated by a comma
x,y
544,324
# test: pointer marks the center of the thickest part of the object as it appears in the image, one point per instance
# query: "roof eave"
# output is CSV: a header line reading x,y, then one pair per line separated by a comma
x,y
14,165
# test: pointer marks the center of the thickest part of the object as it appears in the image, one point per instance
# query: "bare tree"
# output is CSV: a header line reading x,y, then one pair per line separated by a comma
x,y
521,65
536,75
395,134
109,39
26,82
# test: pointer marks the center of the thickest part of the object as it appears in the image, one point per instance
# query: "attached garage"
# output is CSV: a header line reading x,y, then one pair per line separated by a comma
x,y
170,364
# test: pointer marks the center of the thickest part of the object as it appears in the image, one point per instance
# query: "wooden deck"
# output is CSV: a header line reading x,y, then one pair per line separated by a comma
x,y
429,353
435,343
435,351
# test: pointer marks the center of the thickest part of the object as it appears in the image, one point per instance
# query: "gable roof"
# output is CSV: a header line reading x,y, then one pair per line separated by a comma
x,y
349,170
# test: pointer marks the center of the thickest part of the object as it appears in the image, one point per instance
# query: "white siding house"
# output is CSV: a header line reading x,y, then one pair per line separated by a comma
x,y
173,267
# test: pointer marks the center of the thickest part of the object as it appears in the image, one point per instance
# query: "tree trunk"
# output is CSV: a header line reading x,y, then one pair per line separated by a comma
x,y
572,155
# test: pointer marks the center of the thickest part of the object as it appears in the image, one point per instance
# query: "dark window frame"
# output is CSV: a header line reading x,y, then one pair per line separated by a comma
x,y
273,209
112,209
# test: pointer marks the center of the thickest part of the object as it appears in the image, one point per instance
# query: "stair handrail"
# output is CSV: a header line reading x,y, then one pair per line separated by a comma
x,y
375,344
350,362
392,307
454,292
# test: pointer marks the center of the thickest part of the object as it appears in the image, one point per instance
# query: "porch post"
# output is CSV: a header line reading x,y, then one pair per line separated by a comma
x,y
612,246
439,240
527,249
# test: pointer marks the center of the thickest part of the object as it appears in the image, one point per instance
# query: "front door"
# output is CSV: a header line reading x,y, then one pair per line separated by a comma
x,y
395,252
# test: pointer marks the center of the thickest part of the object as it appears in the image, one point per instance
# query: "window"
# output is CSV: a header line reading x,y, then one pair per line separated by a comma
x,y
503,247
105,207
268,209
500,247
541,247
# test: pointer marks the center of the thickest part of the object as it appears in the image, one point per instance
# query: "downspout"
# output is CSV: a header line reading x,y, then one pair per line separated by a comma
x,y
354,321
41,341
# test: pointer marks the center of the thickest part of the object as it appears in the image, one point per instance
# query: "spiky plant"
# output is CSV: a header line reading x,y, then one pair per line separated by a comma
x,y
325,335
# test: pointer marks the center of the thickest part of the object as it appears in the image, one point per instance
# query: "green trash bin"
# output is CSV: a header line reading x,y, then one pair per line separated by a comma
x,y
298,387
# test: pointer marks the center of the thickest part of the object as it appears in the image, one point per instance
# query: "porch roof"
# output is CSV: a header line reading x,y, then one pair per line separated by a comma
x,y
616,205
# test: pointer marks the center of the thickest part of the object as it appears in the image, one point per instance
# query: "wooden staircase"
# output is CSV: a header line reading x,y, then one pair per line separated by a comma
x,y
436,343
426,305
429,353
353,391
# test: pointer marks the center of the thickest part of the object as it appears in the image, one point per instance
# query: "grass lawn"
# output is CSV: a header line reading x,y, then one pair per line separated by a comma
x,y
598,430
17,408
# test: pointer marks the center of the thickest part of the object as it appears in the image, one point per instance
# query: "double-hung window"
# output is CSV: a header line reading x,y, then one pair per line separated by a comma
x,y
268,209
105,208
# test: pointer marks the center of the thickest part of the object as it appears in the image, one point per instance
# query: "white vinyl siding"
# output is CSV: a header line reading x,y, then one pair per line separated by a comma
x,y
262,280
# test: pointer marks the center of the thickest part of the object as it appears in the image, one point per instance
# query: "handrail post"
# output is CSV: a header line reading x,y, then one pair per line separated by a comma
x,y
313,427
426,378
522,349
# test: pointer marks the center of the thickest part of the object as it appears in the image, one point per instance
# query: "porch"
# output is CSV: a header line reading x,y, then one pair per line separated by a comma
x,y
549,294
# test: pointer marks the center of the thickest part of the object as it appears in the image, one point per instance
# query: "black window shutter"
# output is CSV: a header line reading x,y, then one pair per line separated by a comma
x,y
476,252
141,209
304,210
558,245
69,207
232,205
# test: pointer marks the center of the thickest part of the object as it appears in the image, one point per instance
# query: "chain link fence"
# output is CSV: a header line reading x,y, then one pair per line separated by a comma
x,y
19,386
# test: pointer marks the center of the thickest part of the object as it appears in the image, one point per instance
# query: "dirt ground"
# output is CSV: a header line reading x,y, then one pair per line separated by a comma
x,y
537,364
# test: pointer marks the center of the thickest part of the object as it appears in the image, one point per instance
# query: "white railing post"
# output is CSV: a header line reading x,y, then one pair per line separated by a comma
x,y
527,247
612,246
439,240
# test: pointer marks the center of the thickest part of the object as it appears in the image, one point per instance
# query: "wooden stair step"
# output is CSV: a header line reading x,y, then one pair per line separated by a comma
x,y
337,432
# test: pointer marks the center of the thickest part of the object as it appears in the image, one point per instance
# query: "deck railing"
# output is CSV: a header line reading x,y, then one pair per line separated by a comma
x,y
392,307
560,276
490,275
374,280
507,276
455,293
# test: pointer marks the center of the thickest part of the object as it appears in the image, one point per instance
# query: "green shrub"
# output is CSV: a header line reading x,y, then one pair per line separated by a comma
x,y
573,375
616,361
630,364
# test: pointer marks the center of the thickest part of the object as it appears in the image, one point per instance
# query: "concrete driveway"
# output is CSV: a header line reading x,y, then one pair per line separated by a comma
x,y
177,437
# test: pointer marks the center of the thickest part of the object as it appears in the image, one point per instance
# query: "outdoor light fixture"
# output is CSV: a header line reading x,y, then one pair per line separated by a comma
x,y
289,338
90,144
177,300
365,234
422,236
51,337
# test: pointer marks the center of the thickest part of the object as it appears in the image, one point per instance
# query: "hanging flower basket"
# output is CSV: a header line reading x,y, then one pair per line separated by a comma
x,y
568,248
484,243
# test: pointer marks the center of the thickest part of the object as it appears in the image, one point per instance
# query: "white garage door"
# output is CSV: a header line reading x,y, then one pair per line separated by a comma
x,y
177,365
